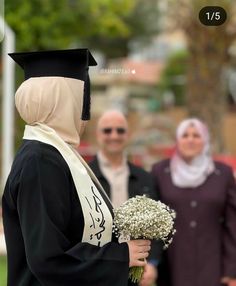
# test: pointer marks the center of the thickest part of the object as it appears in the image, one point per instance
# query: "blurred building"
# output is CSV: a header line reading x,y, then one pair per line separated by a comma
x,y
126,84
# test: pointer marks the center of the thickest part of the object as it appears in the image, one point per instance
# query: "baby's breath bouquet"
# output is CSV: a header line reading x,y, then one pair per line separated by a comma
x,y
143,218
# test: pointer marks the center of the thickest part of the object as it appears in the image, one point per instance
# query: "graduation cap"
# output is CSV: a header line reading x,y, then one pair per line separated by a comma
x,y
73,63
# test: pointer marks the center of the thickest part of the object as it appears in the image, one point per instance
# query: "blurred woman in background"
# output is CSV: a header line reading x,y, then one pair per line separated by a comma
x,y
203,194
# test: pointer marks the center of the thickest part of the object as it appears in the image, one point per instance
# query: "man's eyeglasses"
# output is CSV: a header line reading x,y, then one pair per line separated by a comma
x,y
119,130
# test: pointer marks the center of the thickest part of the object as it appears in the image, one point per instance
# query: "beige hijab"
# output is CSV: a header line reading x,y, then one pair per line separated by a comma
x,y
50,106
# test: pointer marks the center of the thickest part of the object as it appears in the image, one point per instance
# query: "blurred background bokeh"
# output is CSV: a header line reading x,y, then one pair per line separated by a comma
x,y
156,62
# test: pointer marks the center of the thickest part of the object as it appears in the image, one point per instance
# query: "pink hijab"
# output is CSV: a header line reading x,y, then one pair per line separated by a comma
x,y
192,174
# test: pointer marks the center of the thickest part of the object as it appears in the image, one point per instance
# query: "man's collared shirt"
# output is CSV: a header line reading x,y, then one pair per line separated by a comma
x,y
117,178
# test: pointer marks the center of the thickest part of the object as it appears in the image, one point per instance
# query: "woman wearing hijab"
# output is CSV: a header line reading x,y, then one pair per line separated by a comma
x,y
203,194
57,218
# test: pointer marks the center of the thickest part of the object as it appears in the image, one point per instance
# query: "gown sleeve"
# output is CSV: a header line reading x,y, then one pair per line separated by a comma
x,y
229,242
44,209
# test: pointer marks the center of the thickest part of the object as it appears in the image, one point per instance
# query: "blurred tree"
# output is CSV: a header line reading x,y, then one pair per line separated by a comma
x,y
173,77
101,24
208,58
142,23
45,24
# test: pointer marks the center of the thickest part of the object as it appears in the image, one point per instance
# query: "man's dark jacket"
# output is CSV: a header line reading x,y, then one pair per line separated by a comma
x,y
140,182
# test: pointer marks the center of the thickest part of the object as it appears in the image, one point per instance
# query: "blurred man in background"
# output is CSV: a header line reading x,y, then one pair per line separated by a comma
x,y
119,177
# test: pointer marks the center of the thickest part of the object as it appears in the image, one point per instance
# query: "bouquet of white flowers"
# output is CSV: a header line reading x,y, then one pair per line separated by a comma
x,y
143,218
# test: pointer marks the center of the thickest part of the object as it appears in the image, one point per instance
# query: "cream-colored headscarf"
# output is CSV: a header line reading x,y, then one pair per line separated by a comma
x,y
52,108
48,100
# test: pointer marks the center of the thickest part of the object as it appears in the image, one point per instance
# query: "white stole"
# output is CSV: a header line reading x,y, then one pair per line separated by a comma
x,y
97,216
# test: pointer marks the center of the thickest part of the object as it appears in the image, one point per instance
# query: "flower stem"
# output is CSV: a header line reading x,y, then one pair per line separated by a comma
x,y
135,273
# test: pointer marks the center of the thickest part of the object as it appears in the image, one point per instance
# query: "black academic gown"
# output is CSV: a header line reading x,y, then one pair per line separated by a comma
x,y
43,224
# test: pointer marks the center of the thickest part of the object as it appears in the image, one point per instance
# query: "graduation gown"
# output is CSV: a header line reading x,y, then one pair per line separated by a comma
x,y
43,224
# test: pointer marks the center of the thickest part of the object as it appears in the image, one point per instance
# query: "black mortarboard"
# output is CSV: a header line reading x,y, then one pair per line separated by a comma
x,y
65,63
73,63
